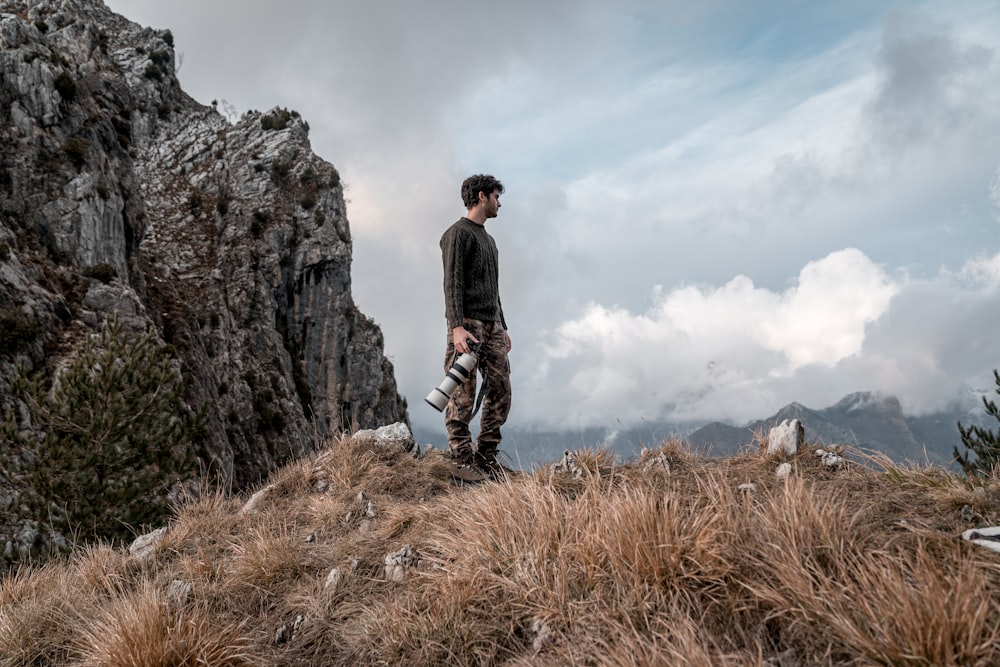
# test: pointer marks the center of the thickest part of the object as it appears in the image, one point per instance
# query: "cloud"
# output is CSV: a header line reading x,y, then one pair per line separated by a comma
x,y
695,342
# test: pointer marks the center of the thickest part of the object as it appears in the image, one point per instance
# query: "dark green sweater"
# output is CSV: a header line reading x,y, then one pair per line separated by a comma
x,y
471,274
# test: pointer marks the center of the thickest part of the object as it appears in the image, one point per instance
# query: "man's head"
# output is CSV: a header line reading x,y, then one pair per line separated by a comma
x,y
483,184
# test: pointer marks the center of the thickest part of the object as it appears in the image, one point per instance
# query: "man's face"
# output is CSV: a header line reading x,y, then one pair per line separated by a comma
x,y
491,204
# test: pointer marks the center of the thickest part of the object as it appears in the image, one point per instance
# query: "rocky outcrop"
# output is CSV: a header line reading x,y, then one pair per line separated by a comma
x,y
121,194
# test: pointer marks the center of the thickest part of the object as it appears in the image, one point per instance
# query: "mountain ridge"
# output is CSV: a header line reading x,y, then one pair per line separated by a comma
x,y
867,420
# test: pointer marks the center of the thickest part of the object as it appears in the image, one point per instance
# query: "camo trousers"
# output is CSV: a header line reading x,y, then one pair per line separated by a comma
x,y
496,400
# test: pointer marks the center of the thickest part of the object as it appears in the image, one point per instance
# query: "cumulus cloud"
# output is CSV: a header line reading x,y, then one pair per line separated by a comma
x,y
695,342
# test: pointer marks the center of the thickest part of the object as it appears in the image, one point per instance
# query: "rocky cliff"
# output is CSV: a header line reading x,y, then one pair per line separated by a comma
x,y
119,194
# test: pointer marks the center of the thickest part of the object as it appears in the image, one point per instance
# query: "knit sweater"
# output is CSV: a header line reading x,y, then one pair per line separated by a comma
x,y
471,274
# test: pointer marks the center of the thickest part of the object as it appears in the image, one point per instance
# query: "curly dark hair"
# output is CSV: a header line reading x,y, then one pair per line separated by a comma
x,y
473,185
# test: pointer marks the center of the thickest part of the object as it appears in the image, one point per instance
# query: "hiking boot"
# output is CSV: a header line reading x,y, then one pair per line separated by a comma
x,y
489,463
464,471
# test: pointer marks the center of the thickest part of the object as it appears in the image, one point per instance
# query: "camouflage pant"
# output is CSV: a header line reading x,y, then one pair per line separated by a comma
x,y
496,401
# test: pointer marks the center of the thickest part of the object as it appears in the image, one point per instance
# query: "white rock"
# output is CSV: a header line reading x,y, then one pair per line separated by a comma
x,y
398,562
256,498
178,592
747,487
831,460
786,438
144,545
784,470
393,435
568,465
333,581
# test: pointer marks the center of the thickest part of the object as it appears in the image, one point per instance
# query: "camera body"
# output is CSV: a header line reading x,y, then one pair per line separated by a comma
x,y
459,372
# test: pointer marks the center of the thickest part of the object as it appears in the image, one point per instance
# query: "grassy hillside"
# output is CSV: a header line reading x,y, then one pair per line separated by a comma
x,y
668,561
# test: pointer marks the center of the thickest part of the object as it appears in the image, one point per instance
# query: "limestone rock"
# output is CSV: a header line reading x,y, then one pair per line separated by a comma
x,y
120,194
393,435
786,438
568,465
399,562
831,460
145,546
256,499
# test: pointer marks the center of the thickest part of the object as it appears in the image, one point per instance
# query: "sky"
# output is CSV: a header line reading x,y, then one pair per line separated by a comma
x,y
711,210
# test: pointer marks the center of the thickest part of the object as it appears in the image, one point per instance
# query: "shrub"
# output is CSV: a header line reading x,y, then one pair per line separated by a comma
x,y
17,331
4,252
103,272
982,442
308,200
115,436
279,170
277,120
76,151
65,86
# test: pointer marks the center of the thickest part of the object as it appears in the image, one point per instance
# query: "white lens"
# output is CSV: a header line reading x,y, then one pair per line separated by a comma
x,y
460,371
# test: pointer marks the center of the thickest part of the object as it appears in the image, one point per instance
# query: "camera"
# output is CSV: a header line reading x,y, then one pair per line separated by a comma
x,y
459,372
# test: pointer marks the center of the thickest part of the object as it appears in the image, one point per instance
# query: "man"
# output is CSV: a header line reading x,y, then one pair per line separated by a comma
x,y
474,314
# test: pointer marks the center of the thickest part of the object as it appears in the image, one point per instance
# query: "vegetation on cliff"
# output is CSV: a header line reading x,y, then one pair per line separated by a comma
x,y
106,441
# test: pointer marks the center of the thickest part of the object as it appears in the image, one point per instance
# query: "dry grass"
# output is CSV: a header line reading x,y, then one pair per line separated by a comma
x,y
667,561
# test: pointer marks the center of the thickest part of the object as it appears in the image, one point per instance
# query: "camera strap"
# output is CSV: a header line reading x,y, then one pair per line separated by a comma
x,y
482,388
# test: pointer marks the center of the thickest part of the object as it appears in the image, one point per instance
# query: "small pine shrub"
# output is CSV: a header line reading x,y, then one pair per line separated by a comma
x,y
103,272
76,151
114,436
279,170
65,86
278,120
981,442
17,331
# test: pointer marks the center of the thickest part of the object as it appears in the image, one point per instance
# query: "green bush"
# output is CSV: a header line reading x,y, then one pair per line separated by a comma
x,y
278,120
982,442
65,86
17,331
114,437
103,272
76,151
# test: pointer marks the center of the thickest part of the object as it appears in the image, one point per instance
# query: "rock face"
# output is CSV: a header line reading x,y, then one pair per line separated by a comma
x,y
121,194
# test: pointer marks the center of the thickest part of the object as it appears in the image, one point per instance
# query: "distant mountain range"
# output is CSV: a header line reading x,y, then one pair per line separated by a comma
x,y
865,420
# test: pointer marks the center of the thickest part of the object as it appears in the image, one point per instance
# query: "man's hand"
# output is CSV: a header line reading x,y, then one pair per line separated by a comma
x,y
461,336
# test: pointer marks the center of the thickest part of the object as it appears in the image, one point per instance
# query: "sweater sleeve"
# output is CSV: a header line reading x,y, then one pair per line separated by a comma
x,y
454,254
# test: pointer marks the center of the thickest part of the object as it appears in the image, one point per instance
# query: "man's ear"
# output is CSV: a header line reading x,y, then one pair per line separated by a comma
x,y
483,197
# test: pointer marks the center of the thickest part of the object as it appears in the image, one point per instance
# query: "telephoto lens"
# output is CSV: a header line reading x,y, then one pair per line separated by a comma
x,y
459,372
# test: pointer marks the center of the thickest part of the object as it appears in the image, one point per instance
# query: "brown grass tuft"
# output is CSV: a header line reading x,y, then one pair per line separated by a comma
x,y
677,558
